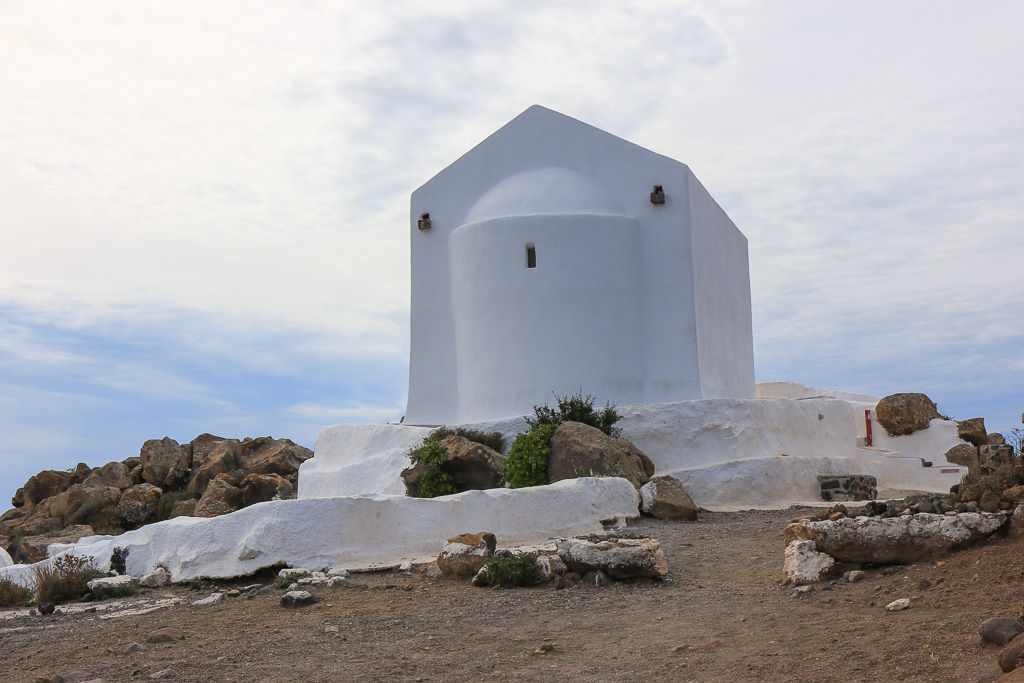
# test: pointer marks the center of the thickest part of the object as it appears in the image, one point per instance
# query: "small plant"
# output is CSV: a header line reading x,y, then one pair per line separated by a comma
x,y
124,590
64,579
519,569
195,584
436,483
1016,441
577,408
435,440
527,461
431,453
283,582
975,484
13,595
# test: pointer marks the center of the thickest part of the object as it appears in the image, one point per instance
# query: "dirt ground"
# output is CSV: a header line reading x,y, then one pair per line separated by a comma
x,y
722,615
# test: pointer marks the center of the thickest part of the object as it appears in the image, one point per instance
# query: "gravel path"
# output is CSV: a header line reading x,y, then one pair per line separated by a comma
x,y
723,615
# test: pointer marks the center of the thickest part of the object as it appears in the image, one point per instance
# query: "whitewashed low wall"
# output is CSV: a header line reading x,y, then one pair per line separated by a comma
x,y
735,453
356,531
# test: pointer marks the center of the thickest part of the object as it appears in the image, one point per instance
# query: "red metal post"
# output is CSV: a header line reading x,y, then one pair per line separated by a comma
x,y
867,425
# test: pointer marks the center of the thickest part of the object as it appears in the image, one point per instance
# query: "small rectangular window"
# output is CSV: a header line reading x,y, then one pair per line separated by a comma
x,y
531,256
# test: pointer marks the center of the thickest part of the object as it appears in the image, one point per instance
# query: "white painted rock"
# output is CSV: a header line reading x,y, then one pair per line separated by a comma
x,y
804,564
214,599
897,605
5,559
298,599
158,579
464,555
105,587
895,540
620,558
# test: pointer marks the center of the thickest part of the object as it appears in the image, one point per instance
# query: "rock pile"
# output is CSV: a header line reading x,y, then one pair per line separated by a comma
x,y
597,559
206,477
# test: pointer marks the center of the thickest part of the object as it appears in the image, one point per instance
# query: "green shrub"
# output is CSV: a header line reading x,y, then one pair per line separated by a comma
x,y
436,483
13,595
66,578
577,408
430,453
124,590
435,440
519,569
283,582
527,461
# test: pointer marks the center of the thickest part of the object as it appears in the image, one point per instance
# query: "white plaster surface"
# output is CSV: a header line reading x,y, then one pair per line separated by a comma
x,y
633,302
5,559
729,454
355,531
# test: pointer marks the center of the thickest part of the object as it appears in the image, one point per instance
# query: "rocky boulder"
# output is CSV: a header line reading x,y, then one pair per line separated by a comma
x,y
579,450
92,505
160,456
665,498
112,474
257,488
902,414
211,459
619,558
1000,630
804,564
973,431
963,454
46,484
995,439
1012,655
462,556
994,457
267,455
220,498
472,465
895,540
138,505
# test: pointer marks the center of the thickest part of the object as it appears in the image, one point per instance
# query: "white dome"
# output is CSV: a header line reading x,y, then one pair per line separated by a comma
x,y
550,190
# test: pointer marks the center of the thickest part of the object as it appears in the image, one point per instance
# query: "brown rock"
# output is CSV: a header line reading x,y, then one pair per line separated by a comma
x,y
963,454
111,474
132,462
267,455
1000,630
474,466
995,457
217,458
138,505
33,548
1014,494
220,498
995,439
12,519
579,450
462,556
619,558
1012,655
184,508
46,484
257,488
167,634
989,502
1015,676
973,431
160,456
902,414
203,445
665,498
92,505
19,498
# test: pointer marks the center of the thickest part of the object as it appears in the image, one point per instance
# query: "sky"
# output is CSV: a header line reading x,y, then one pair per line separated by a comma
x,y
204,206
